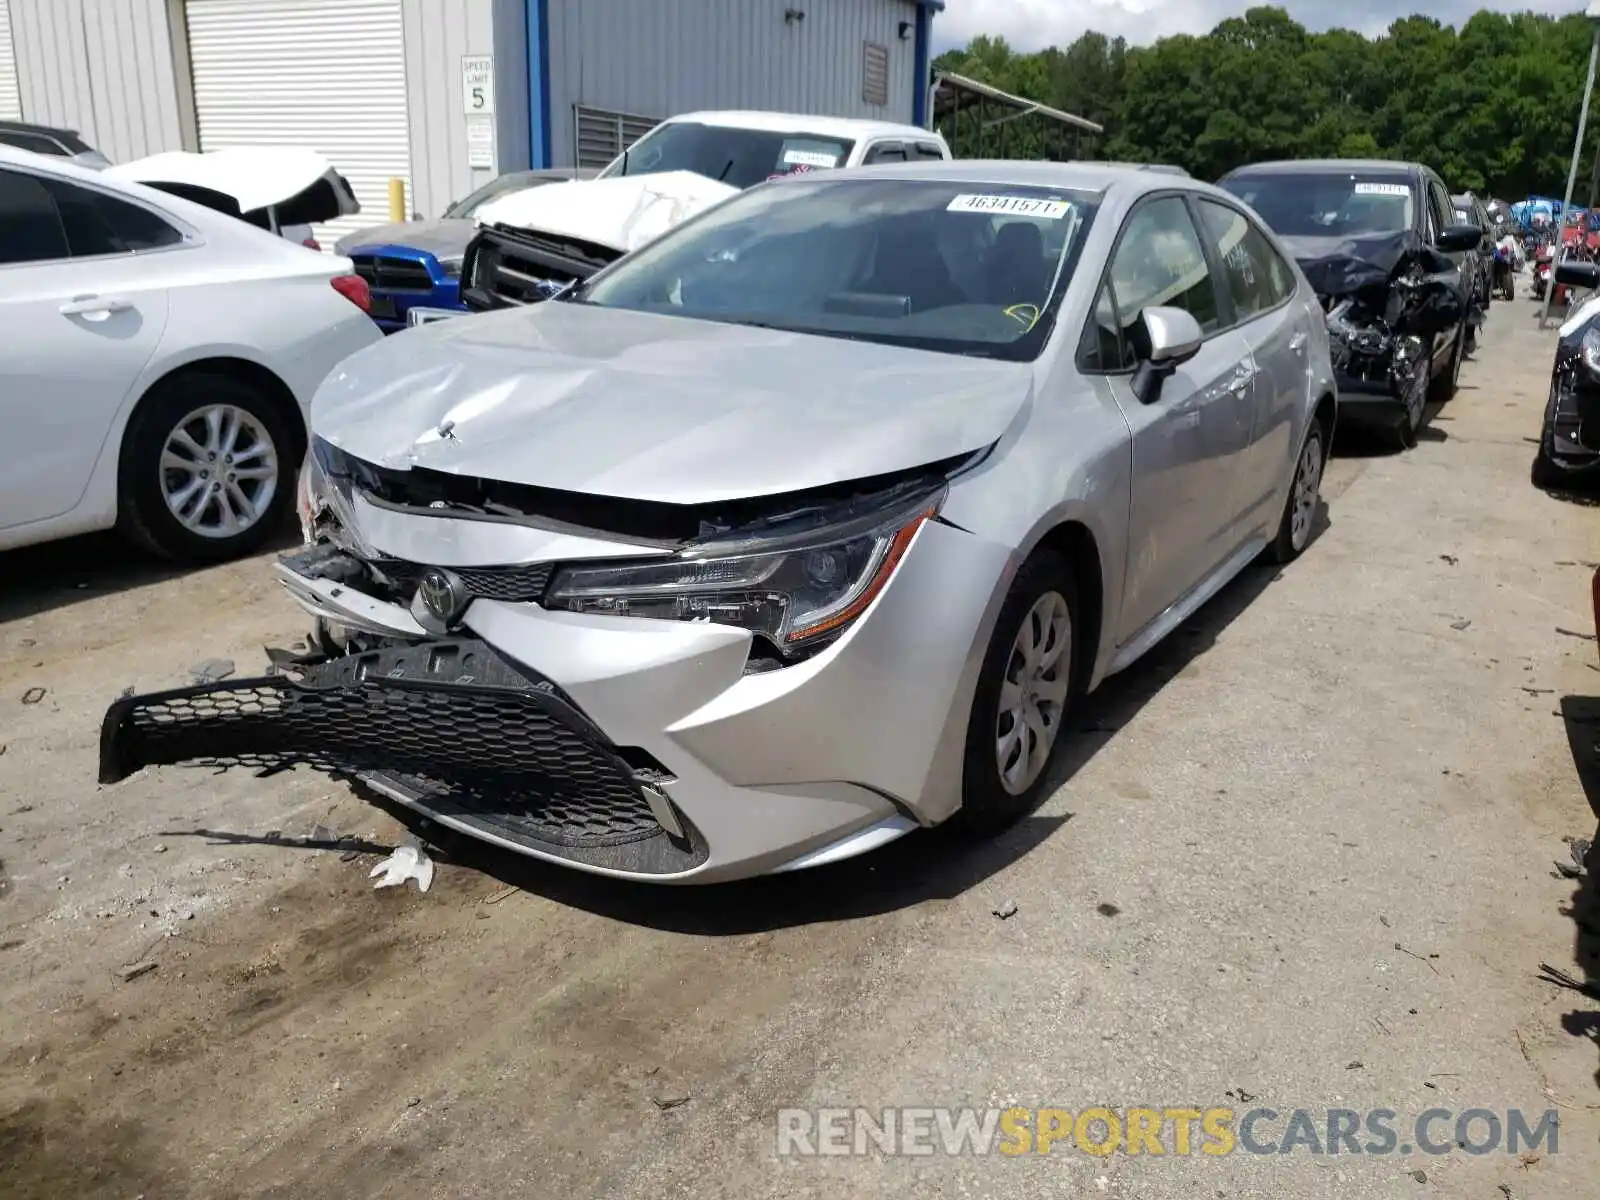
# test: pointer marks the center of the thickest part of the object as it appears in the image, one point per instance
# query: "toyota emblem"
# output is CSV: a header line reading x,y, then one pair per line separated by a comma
x,y
442,597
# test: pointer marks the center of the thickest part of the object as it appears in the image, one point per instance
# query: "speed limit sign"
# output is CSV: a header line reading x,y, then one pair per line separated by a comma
x,y
477,85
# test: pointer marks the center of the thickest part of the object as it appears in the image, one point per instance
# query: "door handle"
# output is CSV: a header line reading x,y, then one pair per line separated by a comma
x,y
1242,380
1298,342
94,306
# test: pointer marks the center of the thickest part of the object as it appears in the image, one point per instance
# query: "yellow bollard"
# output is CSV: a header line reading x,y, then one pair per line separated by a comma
x,y
397,200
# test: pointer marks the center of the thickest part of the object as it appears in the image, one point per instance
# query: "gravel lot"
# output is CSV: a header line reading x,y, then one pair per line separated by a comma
x,y
1303,852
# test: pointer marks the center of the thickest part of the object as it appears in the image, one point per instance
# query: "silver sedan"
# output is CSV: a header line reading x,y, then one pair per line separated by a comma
x,y
796,530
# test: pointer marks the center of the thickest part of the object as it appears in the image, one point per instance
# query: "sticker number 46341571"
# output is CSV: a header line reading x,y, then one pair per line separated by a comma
x,y
1015,206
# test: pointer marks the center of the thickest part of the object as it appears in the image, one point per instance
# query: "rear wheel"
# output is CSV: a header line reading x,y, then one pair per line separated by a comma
x,y
1025,689
207,469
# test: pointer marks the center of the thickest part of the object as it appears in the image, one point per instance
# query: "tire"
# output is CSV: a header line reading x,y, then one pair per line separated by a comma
x,y
266,445
1299,509
1545,476
1443,387
989,802
1411,417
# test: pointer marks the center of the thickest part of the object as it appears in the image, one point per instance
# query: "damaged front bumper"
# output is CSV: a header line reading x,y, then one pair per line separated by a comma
x,y
1381,375
446,726
1570,438
648,749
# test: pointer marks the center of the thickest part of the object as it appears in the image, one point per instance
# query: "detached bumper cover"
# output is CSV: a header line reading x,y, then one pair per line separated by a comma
x,y
450,725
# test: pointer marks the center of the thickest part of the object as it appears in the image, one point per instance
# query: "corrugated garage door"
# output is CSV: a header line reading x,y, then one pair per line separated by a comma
x,y
10,96
329,74
603,135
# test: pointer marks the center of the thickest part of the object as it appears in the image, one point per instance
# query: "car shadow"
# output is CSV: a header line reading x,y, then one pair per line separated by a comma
x,y
59,574
1365,440
935,864
1581,715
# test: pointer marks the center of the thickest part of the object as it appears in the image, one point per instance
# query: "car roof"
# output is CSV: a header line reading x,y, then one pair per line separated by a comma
x,y
1324,166
1001,172
11,126
781,122
60,165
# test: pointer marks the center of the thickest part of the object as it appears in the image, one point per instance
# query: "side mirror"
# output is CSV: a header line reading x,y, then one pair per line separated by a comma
x,y
1456,238
1578,274
1175,338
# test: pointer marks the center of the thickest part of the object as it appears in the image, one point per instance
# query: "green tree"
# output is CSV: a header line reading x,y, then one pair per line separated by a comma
x,y
1492,105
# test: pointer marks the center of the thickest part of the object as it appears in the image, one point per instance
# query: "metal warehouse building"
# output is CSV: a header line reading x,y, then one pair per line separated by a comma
x,y
445,93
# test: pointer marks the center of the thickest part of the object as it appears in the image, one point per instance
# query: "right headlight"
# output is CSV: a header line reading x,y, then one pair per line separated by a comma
x,y
323,503
797,590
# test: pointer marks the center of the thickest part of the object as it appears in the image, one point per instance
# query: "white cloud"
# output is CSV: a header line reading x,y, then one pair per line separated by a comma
x,y
1034,24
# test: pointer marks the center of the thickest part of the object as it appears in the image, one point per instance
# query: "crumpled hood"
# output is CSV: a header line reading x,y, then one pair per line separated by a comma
x,y
443,237
641,406
622,212
1343,266
1366,269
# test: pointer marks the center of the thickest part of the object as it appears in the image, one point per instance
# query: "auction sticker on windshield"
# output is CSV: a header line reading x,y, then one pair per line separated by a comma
x,y
1020,206
1382,189
809,158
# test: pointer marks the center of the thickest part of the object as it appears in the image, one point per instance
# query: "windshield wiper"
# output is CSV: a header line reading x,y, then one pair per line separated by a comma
x,y
725,171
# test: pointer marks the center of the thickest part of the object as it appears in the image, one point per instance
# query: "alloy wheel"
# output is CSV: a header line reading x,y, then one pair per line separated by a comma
x,y
219,471
1307,486
1034,692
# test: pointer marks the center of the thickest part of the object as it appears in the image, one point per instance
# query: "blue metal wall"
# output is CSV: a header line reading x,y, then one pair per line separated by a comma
x,y
654,58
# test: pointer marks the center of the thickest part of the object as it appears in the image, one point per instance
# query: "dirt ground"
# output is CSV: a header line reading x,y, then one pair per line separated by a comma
x,y
1300,856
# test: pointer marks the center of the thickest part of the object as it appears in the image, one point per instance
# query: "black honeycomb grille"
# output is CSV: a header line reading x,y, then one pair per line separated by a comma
x,y
450,713
518,584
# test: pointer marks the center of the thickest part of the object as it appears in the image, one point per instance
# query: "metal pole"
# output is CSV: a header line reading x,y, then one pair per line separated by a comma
x,y
1572,177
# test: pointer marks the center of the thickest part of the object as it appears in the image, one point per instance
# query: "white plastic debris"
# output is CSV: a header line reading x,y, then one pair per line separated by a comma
x,y
409,861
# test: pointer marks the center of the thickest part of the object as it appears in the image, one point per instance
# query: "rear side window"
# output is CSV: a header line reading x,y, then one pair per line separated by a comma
x,y
887,152
1159,262
1256,277
100,224
30,225
926,151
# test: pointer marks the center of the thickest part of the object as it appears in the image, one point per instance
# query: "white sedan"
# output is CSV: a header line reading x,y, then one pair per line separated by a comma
x,y
158,362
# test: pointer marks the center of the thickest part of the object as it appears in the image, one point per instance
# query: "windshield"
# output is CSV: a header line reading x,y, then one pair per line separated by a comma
x,y
740,158
957,267
1334,205
493,190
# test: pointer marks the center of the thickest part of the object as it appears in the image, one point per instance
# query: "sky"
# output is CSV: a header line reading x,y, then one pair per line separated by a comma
x,y
1034,24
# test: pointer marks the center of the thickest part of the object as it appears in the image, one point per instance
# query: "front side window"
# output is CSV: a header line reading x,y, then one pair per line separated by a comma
x,y
1331,204
955,267
740,158
30,225
1256,277
1159,263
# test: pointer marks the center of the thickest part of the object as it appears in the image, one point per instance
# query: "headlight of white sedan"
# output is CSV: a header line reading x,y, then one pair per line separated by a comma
x,y
797,590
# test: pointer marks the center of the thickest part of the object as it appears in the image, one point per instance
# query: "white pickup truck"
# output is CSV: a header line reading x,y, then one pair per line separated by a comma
x,y
534,243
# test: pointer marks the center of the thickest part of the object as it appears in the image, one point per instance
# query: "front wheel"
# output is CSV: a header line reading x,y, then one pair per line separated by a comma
x,y
1443,386
1305,493
1025,689
207,469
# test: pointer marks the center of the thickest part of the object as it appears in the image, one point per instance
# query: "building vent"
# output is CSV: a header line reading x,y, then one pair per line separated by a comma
x,y
875,73
602,135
